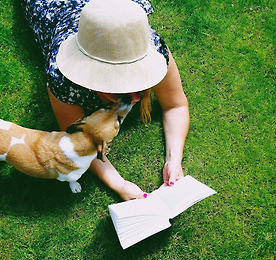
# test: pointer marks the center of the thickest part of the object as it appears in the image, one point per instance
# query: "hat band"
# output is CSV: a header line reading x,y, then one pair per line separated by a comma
x,y
106,61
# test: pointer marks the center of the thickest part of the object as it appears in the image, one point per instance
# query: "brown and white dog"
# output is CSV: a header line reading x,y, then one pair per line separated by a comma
x,y
62,155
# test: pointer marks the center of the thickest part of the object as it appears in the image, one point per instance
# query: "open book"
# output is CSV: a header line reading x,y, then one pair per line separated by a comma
x,y
135,220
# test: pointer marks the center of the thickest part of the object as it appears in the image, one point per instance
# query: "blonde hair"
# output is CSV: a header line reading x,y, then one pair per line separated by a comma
x,y
146,106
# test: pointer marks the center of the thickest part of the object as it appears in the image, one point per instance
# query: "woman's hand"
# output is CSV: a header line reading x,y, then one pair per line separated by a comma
x,y
111,177
172,172
129,191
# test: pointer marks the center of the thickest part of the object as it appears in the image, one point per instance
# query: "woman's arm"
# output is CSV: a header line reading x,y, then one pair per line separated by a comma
x,y
173,101
109,175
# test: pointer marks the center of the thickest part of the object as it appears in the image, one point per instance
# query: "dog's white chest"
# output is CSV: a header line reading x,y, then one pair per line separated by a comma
x,y
83,162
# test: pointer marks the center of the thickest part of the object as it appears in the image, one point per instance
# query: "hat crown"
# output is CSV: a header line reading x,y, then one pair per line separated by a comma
x,y
113,34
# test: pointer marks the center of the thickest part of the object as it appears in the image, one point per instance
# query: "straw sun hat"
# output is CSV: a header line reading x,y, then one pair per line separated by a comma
x,y
112,52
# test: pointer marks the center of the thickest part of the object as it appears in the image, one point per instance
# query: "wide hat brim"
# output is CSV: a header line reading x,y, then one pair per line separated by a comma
x,y
110,78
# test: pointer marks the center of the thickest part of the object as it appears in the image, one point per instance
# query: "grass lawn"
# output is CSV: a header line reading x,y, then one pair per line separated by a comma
x,y
225,51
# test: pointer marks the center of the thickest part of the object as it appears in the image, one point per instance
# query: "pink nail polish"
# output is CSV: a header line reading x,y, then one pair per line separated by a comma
x,y
145,195
171,183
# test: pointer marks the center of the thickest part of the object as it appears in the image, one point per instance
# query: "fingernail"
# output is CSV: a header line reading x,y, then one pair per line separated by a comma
x,y
171,183
145,195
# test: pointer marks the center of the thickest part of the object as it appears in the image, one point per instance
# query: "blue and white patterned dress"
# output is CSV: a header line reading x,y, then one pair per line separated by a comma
x,y
52,21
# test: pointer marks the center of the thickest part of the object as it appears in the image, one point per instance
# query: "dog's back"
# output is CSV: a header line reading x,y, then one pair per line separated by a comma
x,y
17,147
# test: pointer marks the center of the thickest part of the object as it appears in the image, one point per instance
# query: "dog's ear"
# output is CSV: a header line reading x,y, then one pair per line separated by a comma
x,y
76,127
101,151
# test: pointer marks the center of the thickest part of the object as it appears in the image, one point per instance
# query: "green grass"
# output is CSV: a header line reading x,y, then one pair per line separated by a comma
x,y
225,51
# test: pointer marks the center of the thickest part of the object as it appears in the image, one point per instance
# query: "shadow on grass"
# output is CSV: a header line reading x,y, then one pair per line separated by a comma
x,y
106,245
22,195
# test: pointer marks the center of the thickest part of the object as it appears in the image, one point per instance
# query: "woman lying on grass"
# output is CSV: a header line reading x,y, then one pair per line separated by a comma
x,y
98,51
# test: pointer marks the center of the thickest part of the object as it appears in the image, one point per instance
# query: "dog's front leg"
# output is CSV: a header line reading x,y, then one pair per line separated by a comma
x,y
75,186
72,180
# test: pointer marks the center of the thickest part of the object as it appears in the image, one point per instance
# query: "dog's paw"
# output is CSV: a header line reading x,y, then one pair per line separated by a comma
x,y
75,187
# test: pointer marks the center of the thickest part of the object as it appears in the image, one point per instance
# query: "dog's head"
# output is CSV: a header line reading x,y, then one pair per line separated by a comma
x,y
103,125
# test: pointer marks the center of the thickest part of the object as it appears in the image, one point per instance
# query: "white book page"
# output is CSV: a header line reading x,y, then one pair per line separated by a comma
x,y
139,222
144,232
145,227
139,207
186,192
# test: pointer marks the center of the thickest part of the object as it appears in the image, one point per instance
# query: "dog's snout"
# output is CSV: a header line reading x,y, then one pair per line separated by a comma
x,y
125,105
126,99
